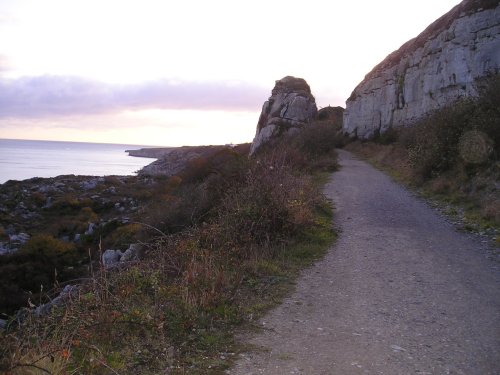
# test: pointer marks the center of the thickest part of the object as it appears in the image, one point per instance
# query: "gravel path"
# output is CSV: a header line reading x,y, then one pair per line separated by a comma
x,y
401,292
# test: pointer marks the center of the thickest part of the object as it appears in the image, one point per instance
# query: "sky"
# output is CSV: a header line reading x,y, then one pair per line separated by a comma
x,y
190,72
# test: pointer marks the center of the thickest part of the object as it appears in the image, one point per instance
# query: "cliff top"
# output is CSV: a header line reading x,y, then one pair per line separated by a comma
x,y
466,7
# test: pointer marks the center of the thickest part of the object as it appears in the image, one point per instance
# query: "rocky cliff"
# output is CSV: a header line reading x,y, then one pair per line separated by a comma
x,y
428,72
290,107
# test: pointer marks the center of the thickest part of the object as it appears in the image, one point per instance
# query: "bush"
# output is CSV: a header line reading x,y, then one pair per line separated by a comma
x,y
386,138
34,269
433,142
319,138
475,147
186,200
123,236
311,150
487,114
177,307
452,153
269,206
50,251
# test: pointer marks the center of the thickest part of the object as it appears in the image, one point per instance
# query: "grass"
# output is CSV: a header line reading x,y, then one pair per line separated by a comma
x,y
449,157
176,311
456,198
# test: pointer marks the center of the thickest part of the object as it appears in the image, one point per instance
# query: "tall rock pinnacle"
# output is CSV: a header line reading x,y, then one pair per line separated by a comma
x,y
290,107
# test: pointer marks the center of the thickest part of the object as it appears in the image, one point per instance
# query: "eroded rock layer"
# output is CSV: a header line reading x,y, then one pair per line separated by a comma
x,y
433,70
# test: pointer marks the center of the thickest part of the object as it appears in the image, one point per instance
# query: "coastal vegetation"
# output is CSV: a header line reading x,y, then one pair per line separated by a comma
x,y
451,156
223,241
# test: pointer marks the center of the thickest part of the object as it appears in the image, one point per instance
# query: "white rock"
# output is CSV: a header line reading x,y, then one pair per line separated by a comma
x,y
426,73
111,258
21,238
89,185
59,300
290,107
131,253
90,229
4,249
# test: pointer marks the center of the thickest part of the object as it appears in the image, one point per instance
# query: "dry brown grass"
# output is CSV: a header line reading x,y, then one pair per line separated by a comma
x,y
231,237
393,158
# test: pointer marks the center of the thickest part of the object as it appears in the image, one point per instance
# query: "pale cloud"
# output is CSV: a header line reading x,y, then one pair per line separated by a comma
x,y
144,127
5,64
124,48
46,96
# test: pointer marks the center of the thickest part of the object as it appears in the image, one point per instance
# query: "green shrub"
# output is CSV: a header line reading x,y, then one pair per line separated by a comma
x,y
177,210
49,250
311,150
387,137
270,205
186,200
34,269
3,234
319,138
39,198
486,116
176,308
433,142
123,236
452,153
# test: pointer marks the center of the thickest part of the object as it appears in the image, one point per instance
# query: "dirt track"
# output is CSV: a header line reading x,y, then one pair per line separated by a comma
x,y
401,292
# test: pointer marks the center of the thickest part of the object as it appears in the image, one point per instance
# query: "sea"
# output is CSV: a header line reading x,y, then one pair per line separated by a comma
x,y
23,159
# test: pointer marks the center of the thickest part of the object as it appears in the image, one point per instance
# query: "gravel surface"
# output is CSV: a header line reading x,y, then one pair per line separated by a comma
x,y
401,292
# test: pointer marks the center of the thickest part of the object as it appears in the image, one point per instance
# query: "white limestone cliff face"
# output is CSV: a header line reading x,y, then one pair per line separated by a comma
x,y
428,72
290,107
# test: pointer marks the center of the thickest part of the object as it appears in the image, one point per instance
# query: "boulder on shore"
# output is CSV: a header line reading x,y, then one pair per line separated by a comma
x,y
290,107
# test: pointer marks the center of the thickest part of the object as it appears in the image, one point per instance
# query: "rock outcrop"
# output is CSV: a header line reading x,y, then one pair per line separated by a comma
x,y
290,107
174,160
433,70
111,258
63,297
151,152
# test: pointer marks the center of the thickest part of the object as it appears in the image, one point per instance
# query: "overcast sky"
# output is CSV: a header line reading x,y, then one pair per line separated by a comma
x,y
184,72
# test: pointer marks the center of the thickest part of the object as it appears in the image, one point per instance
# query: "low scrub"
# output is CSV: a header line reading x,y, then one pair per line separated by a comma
x,y
223,240
452,154
445,139
31,272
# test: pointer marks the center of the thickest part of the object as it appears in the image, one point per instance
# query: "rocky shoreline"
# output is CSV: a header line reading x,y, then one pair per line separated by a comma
x,y
172,160
23,204
66,223
88,217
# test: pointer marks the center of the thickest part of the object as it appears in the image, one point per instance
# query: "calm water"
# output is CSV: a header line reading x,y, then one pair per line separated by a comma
x,y
22,159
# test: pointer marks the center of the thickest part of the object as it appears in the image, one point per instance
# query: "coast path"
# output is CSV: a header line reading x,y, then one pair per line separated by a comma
x,y
400,292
